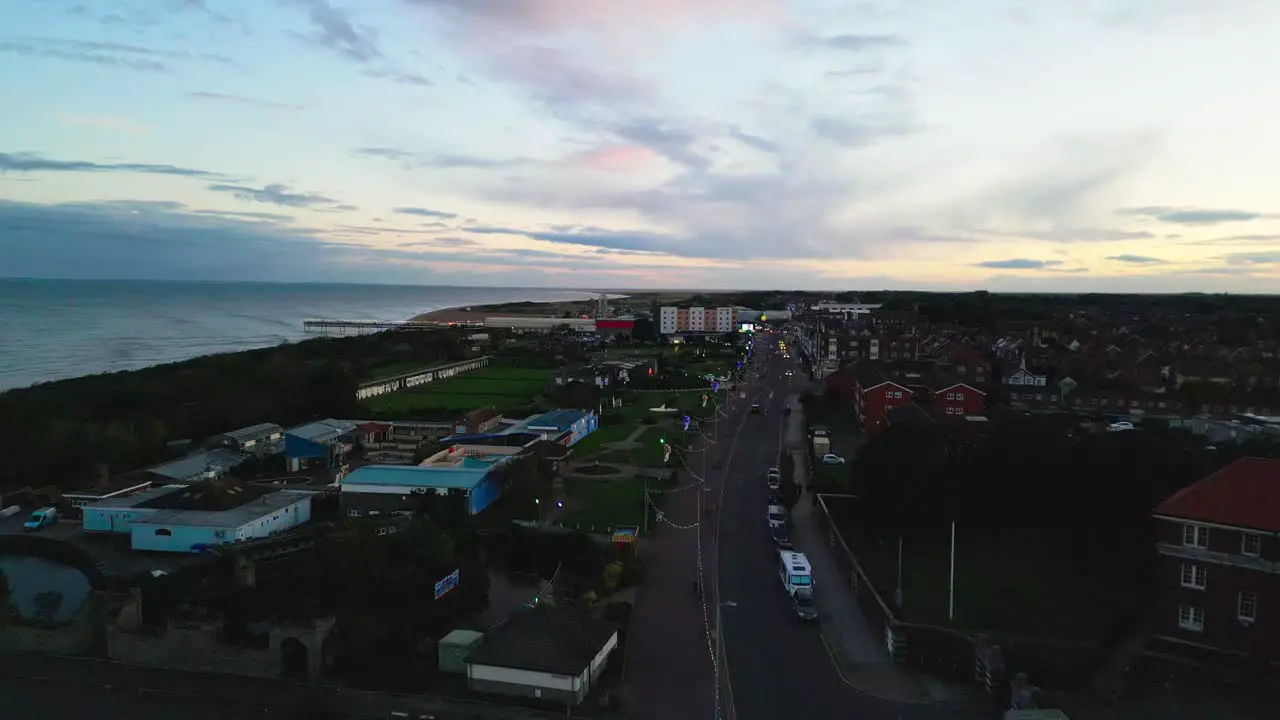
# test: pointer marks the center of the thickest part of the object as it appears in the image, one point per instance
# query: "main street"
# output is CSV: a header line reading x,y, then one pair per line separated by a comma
x,y
778,667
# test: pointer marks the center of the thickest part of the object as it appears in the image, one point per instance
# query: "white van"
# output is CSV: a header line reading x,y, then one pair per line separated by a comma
x,y
794,571
777,516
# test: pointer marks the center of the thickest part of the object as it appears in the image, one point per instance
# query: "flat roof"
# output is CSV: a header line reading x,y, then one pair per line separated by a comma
x,y
417,476
129,501
264,505
322,431
253,432
219,460
558,419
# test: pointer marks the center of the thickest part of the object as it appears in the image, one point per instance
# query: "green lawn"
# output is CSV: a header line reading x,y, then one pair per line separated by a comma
x,y
606,504
1001,585
591,444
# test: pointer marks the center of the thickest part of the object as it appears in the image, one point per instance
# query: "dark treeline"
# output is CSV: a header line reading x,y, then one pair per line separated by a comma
x,y
60,432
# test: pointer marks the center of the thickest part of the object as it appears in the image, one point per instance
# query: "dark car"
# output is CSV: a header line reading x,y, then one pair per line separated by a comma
x,y
755,409
803,605
780,537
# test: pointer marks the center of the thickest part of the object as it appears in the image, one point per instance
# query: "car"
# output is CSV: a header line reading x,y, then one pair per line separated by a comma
x,y
43,517
773,478
755,409
1120,426
832,459
803,605
781,538
776,515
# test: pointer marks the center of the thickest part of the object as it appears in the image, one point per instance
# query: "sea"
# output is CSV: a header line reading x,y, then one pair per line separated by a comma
x,y
57,329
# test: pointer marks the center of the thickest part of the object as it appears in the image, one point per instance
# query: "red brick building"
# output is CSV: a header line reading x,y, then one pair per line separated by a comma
x,y
1219,562
957,399
874,394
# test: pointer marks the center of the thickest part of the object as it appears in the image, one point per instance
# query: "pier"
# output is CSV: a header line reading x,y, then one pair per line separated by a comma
x,y
342,327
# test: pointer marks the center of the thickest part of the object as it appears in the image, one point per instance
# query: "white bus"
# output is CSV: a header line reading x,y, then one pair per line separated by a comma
x,y
794,571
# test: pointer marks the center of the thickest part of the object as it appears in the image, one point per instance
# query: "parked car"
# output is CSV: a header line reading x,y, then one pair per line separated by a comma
x,y
755,409
777,516
803,605
781,538
832,459
774,478
43,517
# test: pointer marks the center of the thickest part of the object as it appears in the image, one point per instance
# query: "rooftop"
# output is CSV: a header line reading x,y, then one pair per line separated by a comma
x,y
136,500
322,431
253,432
212,495
263,505
218,461
557,640
417,476
1244,494
555,420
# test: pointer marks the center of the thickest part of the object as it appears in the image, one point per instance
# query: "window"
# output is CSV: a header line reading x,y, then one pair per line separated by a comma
x,y
164,532
1195,535
959,396
1250,544
951,396
951,411
1191,618
1194,576
1247,606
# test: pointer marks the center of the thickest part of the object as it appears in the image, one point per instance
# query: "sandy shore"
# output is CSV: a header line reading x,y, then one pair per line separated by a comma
x,y
454,314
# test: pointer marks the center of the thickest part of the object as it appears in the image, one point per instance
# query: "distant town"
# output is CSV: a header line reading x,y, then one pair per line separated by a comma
x,y
671,506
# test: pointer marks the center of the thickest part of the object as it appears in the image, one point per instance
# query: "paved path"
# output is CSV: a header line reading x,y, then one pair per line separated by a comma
x,y
670,675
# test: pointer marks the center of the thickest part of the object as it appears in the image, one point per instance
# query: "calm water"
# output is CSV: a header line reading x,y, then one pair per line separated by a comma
x,y
29,576
57,329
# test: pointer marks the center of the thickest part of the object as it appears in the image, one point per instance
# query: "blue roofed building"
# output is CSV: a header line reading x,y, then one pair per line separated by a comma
x,y
564,426
381,489
317,444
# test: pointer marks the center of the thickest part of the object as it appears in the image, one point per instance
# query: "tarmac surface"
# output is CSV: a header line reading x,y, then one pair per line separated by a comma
x,y
778,666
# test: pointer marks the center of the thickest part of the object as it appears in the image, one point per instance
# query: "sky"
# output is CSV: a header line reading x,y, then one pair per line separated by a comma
x,y
1083,146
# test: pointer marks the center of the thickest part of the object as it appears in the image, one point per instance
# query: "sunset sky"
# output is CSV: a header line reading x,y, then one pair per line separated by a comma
x,y
1129,145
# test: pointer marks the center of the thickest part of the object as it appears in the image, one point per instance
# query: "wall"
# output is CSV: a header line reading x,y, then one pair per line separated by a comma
x,y
280,521
112,519
298,448
524,683
181,538
79,636
484,493
195,647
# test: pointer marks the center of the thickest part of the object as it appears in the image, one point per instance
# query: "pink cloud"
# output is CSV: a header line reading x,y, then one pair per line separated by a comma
x,y
599,18
613,158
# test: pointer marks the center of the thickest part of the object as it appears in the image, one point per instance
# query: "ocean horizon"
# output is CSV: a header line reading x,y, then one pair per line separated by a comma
x,y
59,329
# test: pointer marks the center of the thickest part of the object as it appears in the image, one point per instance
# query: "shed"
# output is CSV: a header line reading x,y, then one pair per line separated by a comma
x,y
546,653
454,648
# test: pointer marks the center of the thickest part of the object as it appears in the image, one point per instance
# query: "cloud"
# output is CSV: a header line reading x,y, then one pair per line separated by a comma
x,y
1262,258
26,162
131,57
849,42
278,194
1070,234
1018,264
332,28
613,158
853,133
424,212
1191,216
242,100
441,161
1136,259
1238,240
590,237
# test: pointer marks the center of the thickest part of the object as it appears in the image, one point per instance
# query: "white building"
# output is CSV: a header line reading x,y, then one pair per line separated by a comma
x,y
677,320
836,308
546,653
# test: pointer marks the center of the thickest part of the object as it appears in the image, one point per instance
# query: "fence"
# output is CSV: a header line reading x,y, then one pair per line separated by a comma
x,y
939,651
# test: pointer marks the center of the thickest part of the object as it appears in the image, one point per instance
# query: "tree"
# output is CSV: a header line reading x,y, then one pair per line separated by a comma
x,y
642,330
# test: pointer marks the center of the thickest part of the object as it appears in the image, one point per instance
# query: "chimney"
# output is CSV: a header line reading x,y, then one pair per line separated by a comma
x,y
102,476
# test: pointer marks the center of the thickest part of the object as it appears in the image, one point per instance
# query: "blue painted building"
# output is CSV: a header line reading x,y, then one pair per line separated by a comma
x,y
382,489
316,443
190,518
572,425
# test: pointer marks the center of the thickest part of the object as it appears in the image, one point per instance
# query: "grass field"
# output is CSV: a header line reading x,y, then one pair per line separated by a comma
x,y
606,504
1001,584
503,388
593,443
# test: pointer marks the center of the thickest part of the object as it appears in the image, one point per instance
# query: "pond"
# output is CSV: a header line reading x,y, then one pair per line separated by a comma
x,y
30,577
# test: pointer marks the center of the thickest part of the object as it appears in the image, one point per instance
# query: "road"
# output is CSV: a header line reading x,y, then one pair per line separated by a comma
x,y
777,666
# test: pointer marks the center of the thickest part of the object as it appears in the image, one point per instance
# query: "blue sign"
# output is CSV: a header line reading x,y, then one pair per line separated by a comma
x,y
686,423
449,582
715,386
